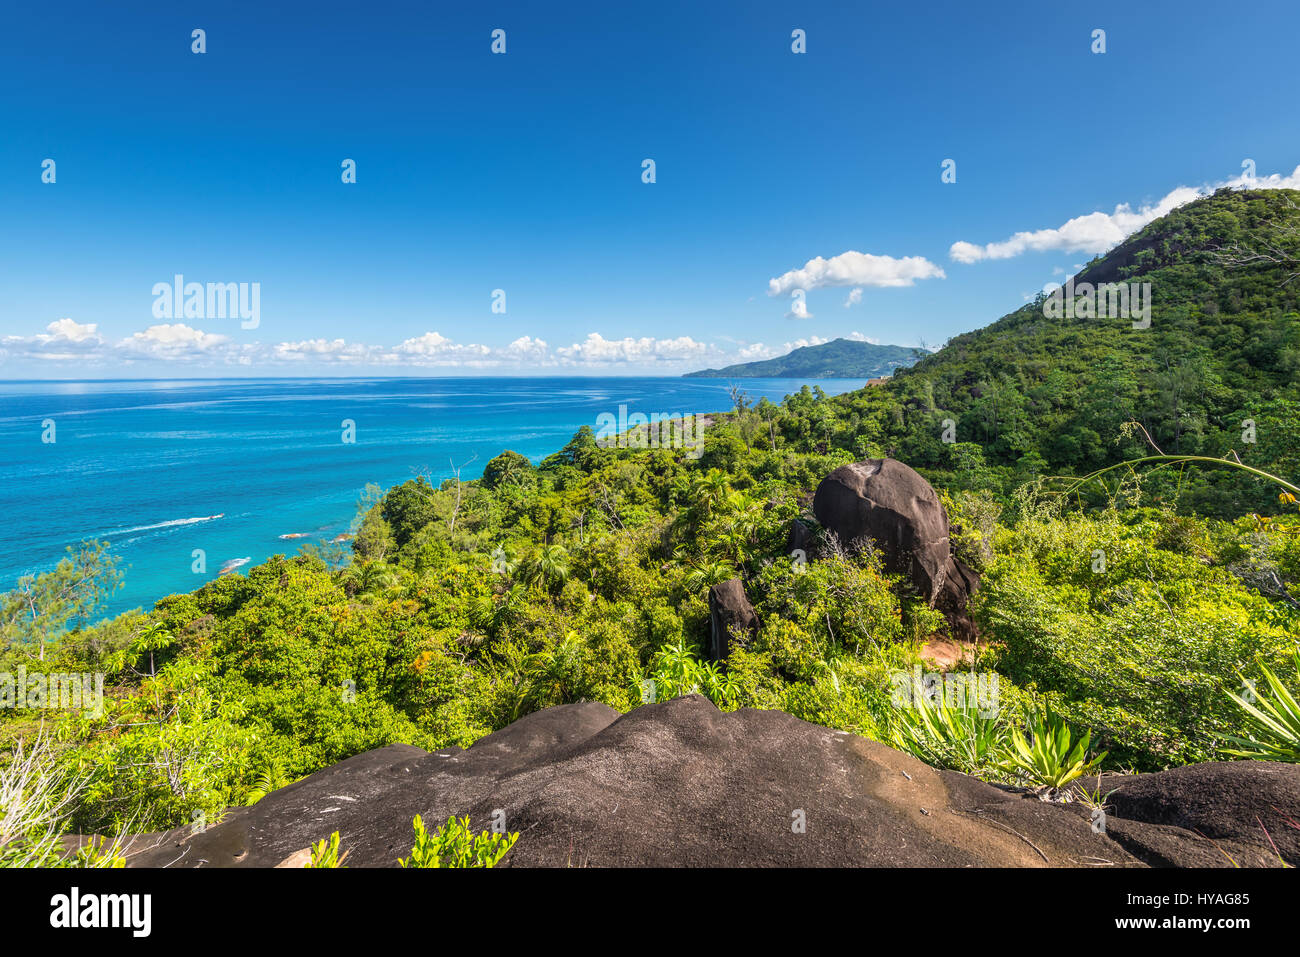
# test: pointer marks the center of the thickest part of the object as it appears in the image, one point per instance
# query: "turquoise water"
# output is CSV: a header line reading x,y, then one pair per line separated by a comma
x,y
160,468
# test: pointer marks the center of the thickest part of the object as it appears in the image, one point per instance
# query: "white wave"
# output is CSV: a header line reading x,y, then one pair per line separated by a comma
x,y
171,524
234,563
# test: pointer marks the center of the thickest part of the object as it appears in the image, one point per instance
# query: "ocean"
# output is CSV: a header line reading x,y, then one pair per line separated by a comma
x,y
160,468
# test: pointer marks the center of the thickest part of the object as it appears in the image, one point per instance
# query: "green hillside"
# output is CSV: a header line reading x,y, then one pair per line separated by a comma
x,y
1031,395
839,359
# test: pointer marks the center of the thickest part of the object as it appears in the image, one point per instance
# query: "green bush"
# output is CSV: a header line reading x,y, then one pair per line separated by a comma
x,y
455,845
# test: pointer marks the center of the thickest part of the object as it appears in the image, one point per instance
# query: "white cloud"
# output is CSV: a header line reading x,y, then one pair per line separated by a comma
x,y
800,343
1097,232
72,330
799,309
63,339
597,350
321,350
859,337
432,348
855,297
758,350
530,349
179,344
855,269
172,341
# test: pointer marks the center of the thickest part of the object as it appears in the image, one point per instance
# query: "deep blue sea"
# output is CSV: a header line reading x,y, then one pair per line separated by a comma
x,y
160,468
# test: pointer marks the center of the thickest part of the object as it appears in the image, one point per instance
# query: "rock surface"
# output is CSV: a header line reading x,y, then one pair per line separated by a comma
x,y
682,784
1208,815
729,608
886,504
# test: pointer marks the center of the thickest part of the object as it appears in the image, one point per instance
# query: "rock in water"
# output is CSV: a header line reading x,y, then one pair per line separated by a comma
x,y
886,504
729,609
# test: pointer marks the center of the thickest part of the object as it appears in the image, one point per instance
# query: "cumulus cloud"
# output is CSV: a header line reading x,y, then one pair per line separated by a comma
x,y
433,348
1097,232
529,349
63,339
855,297
174,341
756,351
800,343
859,337
72,330
321,350
855,269
598,350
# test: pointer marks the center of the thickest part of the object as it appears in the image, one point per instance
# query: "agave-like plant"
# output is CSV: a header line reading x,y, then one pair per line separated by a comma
x,y
675,670
1053,756
961,739
1272,725
723,689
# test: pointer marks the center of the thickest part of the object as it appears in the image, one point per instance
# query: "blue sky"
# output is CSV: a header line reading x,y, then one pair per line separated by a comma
x,y
523,172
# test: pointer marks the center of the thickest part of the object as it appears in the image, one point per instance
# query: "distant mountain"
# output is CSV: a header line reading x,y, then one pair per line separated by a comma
x,y
839,359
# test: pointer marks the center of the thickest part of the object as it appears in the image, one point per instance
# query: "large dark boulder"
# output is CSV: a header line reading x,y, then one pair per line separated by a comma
x,y
681,784
671,784
1208,815
801,538
888,506
729,609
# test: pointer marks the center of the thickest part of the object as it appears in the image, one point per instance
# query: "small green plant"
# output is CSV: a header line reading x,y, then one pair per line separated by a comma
x,y
1095,797
1053,756
100,852
454,845
325,853
1272,726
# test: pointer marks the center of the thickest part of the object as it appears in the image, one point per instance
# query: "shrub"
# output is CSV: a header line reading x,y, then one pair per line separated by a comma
x,y
454,845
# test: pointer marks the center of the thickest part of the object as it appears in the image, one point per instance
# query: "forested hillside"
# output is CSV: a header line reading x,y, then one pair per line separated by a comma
x,y
1031,395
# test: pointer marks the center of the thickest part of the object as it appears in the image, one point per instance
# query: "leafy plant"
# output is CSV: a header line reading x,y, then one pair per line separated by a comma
x,y
1053,755
100,852
951,737
454,845
675,671
325,853
270,778
1273,726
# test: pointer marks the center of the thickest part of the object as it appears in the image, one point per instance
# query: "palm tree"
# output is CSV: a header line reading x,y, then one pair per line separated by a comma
x,y
735,527
552,676
371,578
548,566
493,615
707,574
702,492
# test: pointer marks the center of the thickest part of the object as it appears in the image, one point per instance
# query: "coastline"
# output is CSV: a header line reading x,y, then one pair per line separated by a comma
x,y
163,458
